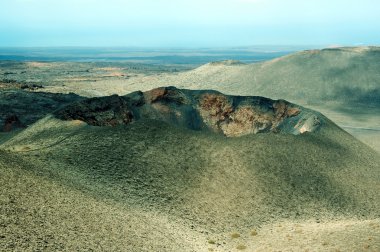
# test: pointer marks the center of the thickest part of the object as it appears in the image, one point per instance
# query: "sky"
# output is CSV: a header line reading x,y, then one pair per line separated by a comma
x,y
188,23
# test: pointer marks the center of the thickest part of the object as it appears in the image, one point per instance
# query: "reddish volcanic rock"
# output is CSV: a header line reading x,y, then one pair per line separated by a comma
x,y
215,109
155,94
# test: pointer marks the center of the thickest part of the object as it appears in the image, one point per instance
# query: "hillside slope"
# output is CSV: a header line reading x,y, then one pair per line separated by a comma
x,y
72,197
210,189
38,213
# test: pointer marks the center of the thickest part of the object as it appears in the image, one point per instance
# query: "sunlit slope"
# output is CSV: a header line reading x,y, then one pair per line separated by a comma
x,y
41,213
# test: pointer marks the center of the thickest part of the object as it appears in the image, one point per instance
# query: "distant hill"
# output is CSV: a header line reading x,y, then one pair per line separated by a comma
x,y
347,75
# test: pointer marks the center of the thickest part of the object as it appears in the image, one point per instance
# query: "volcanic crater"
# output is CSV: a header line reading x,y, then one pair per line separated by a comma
x,y
205,110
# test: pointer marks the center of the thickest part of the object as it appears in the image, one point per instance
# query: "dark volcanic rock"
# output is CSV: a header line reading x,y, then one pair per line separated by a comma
x,y
197,110
11,122
104,111
20,108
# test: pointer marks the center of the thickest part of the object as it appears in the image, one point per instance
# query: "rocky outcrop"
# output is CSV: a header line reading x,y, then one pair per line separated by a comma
x,y
107,111
197,110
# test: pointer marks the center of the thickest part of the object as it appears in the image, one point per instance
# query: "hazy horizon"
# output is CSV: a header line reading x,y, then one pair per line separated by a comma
x,y
161,56
188,24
